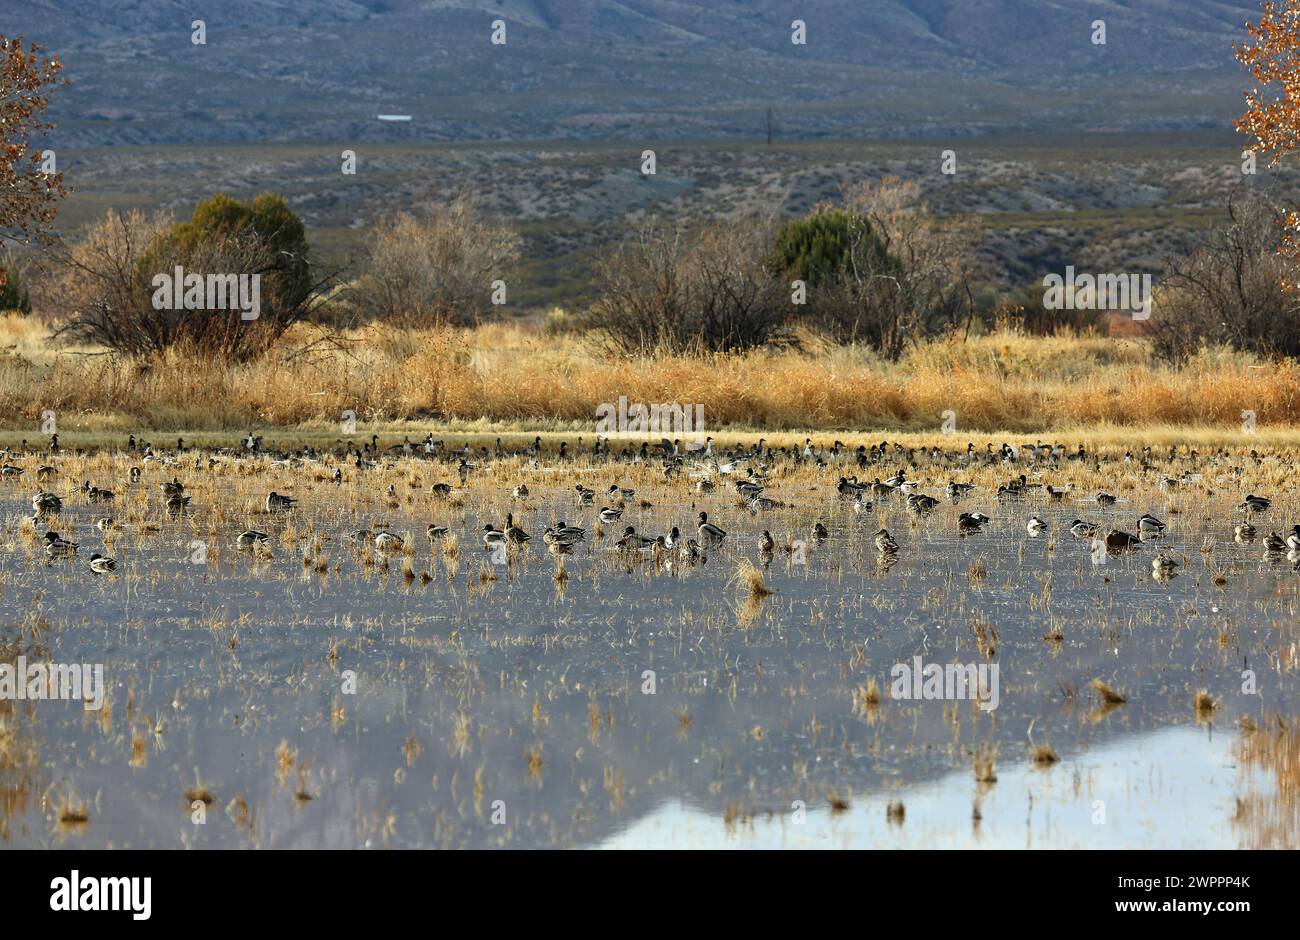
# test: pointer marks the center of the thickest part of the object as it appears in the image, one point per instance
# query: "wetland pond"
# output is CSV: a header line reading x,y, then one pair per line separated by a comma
x,y
321,694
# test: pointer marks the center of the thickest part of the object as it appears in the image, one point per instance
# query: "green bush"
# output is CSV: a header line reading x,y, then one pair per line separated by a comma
x,y
13,295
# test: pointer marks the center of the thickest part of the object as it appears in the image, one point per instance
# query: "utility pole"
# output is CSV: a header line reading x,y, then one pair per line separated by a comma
x,y
769,127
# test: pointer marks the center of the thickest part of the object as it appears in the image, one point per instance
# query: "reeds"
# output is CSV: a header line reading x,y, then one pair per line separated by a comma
x,y
1002,381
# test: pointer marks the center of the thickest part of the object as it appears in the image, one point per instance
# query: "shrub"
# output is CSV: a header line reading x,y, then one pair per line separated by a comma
x,y
661,292
438,267
13,295
109,287
1230,291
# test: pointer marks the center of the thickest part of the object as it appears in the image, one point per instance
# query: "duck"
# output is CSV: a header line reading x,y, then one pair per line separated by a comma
x,y
1121,541
277,503
1293,538
441,490
105,523
1036,526
861,505
1274,543
921,504
1082,530
573,532
819,532
250,537
45,474
1105,499
710,534
885,543
388,542
435,531
610,515
971,521
176,503
520,491
44,502
96,495
705,486
1163,565
618,492
514,533
1150,524
57,547
172,488
102,565
673,539
957,490
1243,532
1253,503
492,536
766,544
761,503
632,540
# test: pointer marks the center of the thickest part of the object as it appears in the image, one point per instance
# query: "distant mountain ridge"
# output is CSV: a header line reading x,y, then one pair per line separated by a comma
x,y
282,70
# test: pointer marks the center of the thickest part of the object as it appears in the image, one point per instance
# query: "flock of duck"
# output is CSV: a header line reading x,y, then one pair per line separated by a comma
x,y
748,470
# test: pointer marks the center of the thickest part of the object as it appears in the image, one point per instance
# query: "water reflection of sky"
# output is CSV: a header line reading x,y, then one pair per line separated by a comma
x,y
234,658
1170,789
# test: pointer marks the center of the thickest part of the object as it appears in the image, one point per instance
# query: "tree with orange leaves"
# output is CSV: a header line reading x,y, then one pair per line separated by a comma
x,y
29,195
1272,114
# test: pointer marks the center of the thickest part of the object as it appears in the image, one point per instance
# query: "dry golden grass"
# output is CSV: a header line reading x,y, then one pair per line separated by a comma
x,y
504,376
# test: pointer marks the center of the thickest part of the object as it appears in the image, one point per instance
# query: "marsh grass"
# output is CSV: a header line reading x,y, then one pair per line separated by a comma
x,y
505,373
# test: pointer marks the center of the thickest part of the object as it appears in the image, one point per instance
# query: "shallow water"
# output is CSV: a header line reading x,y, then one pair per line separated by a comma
x,y
523,699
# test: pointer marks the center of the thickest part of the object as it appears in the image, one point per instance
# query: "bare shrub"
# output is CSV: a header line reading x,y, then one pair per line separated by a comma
x,y
1231,290
662,292
437,267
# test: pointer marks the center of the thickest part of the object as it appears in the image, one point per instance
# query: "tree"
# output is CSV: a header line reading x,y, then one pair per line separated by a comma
x,y
1273,118
13,295
28,195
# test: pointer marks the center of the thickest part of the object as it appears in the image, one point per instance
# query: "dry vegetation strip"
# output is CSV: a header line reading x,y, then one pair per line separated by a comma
x,y
513,375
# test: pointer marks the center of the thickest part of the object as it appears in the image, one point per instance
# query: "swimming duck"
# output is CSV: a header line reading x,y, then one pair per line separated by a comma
x,y
44,502
766,543
1121,541
1150,524
172,488
573,532
971,521
101,565
250,537
1253,503
585,496
1293,538
388,542
435,531
514,533
441,490
1105,499
921,504
617,492
632,540
492,536
819,532
177,504
1163,565
105,524
610,515
1082,530
1036,526
710,534
957,490
861,505
1274,543
56,547
885,543
277,503
1243,532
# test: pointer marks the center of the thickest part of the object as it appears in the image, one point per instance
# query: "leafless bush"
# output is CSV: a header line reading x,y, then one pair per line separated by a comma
x,y
662,291
437,267
1230,291
907,274
105,295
